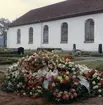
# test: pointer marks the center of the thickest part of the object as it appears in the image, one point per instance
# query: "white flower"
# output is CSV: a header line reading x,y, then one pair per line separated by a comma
x,y
93,82
63,66
73,69
95,75
98,78
18,85
99,84
9,83
74,76
71,64
95,87
24,94
81,73
85,72
76,83
67,72
34,74
31,93
99,95
99,90
76,66
39,91
8,77
74,72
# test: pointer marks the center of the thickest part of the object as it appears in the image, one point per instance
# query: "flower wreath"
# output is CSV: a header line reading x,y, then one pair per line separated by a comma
x,y
64,88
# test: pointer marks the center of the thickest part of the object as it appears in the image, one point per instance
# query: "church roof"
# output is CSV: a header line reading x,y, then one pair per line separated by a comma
x,y
65,9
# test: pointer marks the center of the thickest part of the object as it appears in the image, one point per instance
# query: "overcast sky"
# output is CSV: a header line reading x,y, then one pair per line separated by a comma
x,y
13,9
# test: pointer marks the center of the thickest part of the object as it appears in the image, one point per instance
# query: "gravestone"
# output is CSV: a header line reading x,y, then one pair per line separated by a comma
x,y
20,50
100,48
74,46
74,50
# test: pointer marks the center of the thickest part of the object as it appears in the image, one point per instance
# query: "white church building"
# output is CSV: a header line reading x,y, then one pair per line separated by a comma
x,y
60,25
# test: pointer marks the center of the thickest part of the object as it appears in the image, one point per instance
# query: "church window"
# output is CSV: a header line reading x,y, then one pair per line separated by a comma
x,y
30,35
89,30
18,36
64,33
45,34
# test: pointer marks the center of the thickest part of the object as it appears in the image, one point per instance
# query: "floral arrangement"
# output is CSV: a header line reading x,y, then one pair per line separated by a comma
x,y
64,88
46,73
95,79
22,82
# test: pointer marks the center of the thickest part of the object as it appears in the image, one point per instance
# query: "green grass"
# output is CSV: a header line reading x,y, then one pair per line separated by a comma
x,y
93,64
8,60
64,53
1,77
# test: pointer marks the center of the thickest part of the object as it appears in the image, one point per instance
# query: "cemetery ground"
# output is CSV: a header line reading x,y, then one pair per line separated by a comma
x,y
11,99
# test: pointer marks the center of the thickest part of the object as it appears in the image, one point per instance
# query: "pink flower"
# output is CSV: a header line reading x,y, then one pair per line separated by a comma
x,y
72,96
54,93
65,97
75,94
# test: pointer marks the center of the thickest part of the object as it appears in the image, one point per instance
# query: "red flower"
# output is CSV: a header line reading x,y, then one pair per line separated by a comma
x,y
54,93
68,57
65,97
87,75
50,86
101,81
76,80
31,84
18,94
65,81
101,73
45,78
92,72
52,78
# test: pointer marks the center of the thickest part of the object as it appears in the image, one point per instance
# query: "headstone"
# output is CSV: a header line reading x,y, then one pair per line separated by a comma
x,y
20,50
74,50
100,48
74,46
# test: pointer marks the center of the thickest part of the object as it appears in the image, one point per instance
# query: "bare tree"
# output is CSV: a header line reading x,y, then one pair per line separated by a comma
x,y
4,23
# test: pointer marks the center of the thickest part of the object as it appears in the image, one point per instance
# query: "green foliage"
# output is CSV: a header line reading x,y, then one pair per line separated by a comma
x,y
98,65
7,60
1,78
92,54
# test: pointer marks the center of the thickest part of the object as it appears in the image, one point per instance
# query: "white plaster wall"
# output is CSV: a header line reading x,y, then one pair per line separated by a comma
x,y
76,34
12,37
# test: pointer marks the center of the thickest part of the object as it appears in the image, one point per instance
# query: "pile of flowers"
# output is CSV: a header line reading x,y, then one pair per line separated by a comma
x,y
95,79
64,87
22,82
48,74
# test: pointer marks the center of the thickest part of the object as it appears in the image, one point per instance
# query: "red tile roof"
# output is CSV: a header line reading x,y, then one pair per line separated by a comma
x,y
66,9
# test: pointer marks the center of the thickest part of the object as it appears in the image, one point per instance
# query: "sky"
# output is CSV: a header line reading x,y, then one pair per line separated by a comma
x,y
13,9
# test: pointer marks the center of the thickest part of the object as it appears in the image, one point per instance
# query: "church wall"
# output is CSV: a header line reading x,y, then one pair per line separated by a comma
x,y
76,34
12,37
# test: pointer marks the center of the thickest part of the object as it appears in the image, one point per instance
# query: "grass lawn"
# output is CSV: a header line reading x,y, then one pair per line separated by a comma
x,y
1,77
93,64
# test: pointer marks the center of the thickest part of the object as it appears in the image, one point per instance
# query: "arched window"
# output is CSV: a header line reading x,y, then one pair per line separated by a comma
x,y
30,35
64,33
45,34
18,36
89,30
